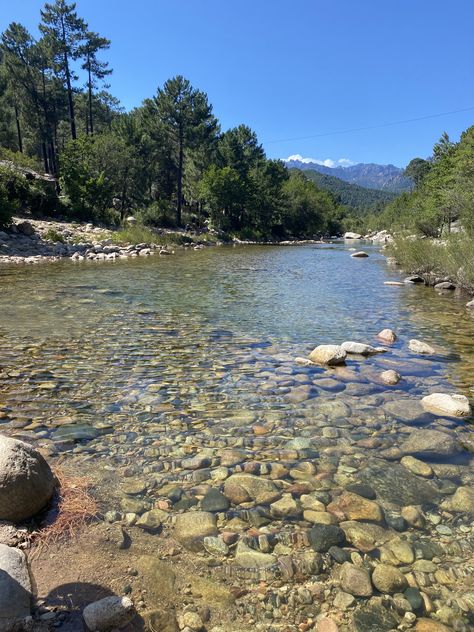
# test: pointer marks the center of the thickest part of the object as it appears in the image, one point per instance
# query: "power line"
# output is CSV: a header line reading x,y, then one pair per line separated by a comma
x,y
369,127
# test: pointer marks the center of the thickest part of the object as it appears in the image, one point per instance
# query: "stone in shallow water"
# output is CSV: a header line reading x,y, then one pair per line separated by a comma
x,y
249,558
328,354
322,537
452,405
390,377
417,467
388,579
387,335
350,506
215,500
430,443
358,348
463,500
394,484
355,580
406,410
430,625
373,617
417,346
364,536
192,527
241,488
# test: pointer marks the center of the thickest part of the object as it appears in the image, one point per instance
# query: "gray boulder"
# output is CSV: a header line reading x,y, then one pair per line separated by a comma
x,y
26,480
430,443
15,587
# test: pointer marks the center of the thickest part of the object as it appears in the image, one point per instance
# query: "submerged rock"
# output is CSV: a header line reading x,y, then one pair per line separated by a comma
x,y
241,488
452,405
388,579
390,377
425,442
355,580
395,484
193,526
463,500
26,480
373,617
328,354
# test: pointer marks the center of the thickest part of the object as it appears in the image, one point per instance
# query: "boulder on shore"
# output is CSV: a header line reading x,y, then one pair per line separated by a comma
x,y
26,480
328,354
452,405
15,587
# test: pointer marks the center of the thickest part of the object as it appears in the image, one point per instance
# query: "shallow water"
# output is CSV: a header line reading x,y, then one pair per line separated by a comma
x,y
202,333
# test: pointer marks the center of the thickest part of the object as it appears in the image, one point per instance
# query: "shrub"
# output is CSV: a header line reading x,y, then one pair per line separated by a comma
x,y
52,235
160,213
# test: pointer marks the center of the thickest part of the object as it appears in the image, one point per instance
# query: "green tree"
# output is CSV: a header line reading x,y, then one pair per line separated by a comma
x,y
188,121
417,169
96,69
64,32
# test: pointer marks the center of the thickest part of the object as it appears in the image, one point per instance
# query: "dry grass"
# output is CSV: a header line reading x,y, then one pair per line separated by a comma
x,y
73,507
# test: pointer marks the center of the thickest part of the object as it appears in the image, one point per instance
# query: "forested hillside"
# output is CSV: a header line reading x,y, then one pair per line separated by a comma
x,y
358,200
168,162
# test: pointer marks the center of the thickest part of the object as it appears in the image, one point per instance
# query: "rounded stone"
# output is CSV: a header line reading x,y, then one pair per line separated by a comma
x,y
26,480
355,580
388,579
108,613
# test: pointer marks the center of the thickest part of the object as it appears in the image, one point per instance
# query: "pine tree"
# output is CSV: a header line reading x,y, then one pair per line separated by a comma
x,y
96,69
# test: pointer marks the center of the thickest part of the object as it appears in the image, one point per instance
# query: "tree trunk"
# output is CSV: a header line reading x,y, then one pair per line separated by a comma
x,y
72,116
18,129
89,85
45,157
180,178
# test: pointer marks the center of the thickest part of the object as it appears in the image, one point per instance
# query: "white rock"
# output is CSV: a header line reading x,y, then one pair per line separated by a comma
x,y
359,254
387,335
328,354
420,347
390,377
359,348
108,613
470,304
350,235
453,405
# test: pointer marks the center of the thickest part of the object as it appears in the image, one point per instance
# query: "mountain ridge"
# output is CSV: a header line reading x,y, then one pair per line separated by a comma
x,y
367,175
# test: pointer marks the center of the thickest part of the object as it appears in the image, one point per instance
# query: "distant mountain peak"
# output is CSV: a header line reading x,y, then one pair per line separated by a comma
x,y
368,175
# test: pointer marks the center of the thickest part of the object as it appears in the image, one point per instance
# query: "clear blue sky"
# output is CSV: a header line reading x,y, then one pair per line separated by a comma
x,y
300,68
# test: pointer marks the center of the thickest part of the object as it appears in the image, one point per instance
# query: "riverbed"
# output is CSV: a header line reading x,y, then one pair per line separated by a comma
x,y
161,378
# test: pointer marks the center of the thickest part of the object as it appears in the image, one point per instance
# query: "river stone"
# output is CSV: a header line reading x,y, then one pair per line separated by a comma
x,y
430,625
26,480
445,285
322,537
388,579
373,617
215,500
328,354
364,536
390,377
452,405
193,526
151,520
249,558
351,235
463,500
417,467
350,506
286,507
241,488
417,346
407,410
425,442
359,254
355,580
395,484
108,613
15,587
358,348
215,546
387,335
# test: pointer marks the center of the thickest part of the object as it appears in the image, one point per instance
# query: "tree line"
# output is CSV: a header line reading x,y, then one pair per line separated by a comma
x,y
167,161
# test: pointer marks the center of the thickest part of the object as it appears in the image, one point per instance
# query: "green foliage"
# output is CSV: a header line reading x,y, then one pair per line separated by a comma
x,y
159,213
452,257
7,207
24,193
52,235
134,235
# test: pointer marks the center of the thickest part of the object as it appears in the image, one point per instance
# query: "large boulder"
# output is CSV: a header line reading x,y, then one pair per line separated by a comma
x,y
451,405
26,480
328,354
350,235
241,488
15,587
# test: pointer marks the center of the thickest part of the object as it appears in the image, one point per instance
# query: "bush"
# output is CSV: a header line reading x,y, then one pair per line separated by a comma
x,y
25,194
7,208
160,213
52,235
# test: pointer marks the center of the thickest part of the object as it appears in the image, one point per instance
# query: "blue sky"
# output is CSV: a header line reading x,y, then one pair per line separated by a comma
x,y
297,69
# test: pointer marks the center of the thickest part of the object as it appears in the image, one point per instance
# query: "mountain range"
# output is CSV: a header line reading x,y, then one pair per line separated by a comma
x,y
368,175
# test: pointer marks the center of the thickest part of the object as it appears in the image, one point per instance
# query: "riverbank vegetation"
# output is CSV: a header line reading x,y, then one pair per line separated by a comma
x,y
167,162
